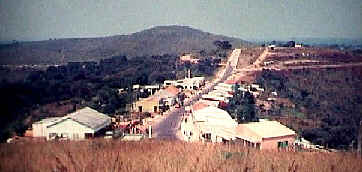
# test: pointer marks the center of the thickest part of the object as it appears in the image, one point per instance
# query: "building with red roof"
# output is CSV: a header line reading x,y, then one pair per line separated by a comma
x,y
162,99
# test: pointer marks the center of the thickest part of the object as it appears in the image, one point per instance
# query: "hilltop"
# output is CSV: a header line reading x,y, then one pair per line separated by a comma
x,y
158,40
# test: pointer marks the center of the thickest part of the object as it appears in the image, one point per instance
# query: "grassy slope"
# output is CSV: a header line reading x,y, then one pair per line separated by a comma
x,y
330,97
155,41
112,155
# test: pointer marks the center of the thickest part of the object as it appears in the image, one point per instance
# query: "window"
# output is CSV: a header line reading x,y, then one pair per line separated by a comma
x,y
52,135
155,109
257,145
88,135
207,136
75,136
283,144
139,108
64,135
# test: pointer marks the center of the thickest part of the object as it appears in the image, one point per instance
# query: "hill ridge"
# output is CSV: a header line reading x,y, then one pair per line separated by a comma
x,y
158,40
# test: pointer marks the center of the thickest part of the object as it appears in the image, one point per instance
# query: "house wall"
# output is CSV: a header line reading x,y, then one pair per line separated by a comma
x,y
272,143
189,130
39,130
147,105
170,101
72,129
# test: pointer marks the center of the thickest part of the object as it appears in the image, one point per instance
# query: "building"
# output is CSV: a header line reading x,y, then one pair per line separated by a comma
x,y
231,88
208,124
265,135
210,103
218,98
298,45
221,93
169,95
81,124
272,47
266,63
164,98
151,104
39,128
198,106
187,83
189,58
151,89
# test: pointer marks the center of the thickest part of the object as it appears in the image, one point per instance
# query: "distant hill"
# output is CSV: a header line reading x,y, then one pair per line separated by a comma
x,y
316,41
155,41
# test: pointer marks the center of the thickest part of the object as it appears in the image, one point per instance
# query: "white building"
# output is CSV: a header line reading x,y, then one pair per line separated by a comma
x,y
298,45
209,124
84,123
225,87
221,93
39,128
272,47
215,97
187,83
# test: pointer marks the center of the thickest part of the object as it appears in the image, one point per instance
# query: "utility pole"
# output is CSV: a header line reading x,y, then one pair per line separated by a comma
x,y
149,131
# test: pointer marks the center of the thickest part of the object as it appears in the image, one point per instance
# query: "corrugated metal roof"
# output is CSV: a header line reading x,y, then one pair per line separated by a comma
x,y
214,116
264,129
170,91
86,116
89,117
210,103
199,105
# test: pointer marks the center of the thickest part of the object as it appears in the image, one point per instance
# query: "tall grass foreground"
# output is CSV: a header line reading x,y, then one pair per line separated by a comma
x,y
113,155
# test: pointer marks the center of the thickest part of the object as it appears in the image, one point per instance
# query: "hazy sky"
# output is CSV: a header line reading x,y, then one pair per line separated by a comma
x,y
44,19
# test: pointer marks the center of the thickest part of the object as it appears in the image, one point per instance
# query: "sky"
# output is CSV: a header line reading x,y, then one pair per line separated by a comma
x,y
247,19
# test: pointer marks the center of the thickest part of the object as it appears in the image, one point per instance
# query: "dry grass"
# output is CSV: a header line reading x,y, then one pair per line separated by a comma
x,y
102,155
248,56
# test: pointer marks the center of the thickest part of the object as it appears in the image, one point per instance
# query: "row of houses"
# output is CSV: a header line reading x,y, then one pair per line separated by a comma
x,y
168,95
207,123
221,93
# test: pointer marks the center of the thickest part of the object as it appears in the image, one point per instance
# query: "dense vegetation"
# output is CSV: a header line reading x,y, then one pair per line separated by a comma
x,y
332,98
155,41
114,155
242,107
87,84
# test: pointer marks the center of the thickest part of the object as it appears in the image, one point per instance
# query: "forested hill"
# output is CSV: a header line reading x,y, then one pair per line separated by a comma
x,y
155,41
